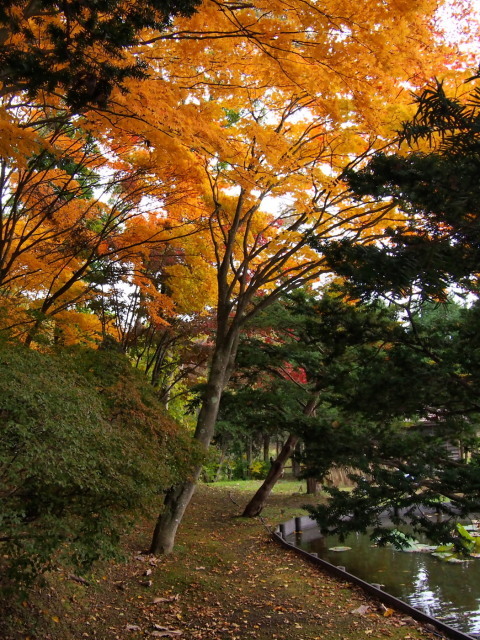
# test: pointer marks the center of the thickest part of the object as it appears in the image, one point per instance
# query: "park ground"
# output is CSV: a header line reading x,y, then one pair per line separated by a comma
x,y
226,580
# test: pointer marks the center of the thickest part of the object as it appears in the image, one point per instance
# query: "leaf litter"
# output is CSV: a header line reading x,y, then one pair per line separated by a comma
x,y
226,580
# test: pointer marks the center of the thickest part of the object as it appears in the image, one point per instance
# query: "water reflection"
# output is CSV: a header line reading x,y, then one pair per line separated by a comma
x,y
449,592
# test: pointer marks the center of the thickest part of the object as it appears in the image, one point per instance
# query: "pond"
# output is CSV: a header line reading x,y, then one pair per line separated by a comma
x,y
446,591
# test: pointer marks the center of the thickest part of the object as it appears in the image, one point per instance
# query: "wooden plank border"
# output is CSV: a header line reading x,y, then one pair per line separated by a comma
x,y
298,524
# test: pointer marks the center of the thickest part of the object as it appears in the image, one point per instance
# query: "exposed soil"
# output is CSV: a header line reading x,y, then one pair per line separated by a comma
x,y
227,580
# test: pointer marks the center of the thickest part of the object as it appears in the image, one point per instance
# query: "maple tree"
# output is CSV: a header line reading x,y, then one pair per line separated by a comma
x,y
277,135
69,189
58,225
256,252
164,135
80,215
226,152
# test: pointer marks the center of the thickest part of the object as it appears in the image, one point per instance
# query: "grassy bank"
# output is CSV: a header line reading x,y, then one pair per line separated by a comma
x,y
226,581
284,487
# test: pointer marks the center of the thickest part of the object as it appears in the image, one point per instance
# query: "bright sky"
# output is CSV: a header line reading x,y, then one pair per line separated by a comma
x,y
470,29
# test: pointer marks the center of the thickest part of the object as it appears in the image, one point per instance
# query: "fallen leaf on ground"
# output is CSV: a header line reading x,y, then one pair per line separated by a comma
x,y
78,579
164,632
163,600
361,610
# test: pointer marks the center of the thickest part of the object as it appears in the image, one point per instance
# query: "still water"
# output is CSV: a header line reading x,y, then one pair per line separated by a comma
x,y
448,592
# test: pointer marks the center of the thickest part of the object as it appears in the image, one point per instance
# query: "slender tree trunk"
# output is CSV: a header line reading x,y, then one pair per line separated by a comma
x,y
256,504
220,465
175,504
249,452
266,448
312,486
296,464
179,496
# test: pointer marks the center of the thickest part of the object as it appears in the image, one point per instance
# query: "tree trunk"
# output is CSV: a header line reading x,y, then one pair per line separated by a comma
x,y
256,504
178,497
312,486
296,470
249,452
175,504
266,448
220,465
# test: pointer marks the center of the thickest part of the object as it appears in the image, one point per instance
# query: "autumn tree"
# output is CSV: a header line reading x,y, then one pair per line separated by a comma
x,y
81,212
274,154
68,189
258,257
79,50
172,352
279,145
171,123
66,213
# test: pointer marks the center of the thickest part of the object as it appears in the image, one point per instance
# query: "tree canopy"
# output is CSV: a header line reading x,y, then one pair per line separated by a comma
x,y
170,169
419,397
433,182
80,50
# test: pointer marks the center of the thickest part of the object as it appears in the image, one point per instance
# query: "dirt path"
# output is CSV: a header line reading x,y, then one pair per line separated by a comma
x,y
226,581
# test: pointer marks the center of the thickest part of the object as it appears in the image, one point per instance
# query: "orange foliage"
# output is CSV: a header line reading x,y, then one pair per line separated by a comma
x,y
201,183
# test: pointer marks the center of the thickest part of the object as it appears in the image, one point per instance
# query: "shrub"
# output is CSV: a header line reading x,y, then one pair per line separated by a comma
x,y
85,446
259,469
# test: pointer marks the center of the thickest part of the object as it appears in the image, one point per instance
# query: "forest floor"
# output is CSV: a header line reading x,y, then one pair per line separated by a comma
x,y
226,580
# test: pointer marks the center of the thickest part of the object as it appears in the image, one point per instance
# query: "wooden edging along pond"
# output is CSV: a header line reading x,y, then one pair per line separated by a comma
x,y
297,525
